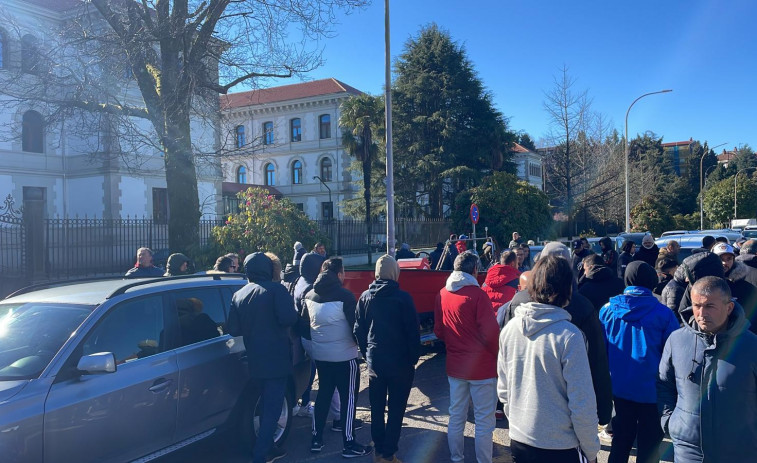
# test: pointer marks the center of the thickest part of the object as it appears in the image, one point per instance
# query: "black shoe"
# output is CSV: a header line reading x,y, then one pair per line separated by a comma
x,y
336,426
316,445
274,454
353,449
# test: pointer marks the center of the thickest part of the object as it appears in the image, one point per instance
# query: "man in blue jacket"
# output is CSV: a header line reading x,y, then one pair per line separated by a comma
x,y
262,312
707,381
636,327
387,333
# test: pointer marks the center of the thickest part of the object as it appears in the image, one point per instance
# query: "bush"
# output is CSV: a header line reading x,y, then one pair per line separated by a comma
x,y
267,224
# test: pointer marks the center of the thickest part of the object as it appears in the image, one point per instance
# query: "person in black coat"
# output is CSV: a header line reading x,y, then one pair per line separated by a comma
x,y
627,251
584,316
609,254
740,278
666,268
262,312
579,252
599,283
648,252
387,333
695,267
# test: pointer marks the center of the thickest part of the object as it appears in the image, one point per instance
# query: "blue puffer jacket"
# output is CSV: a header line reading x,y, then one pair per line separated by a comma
x,y
707,392
636,327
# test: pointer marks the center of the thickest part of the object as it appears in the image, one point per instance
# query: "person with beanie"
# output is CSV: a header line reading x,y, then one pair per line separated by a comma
x,y
648,251
405,252
742,279
299,251
262,312
636,326
387,332
177,265
599,282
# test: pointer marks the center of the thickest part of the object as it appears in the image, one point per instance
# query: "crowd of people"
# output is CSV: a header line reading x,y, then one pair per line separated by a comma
x,y
574,346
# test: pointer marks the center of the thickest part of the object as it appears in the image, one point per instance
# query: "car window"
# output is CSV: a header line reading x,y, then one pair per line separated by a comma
x,y
200,312
132,330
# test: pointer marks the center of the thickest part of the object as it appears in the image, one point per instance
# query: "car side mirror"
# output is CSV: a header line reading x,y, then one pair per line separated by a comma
x,y
99,363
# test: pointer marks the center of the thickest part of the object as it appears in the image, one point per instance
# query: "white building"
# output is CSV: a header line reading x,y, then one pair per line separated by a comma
x,y
288,138
529,165
54,169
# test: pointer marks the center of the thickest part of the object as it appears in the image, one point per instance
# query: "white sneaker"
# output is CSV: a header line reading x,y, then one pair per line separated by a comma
x,y
306,411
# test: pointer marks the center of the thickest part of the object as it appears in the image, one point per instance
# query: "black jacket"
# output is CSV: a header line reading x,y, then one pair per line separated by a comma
x,y
310,267
583,315
599,285
695,267
647,255
662,281
623,260
262,312
386,328
577,263
748,259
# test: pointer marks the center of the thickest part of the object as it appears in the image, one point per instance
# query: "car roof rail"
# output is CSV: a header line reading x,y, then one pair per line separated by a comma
x,y
146,281
57,283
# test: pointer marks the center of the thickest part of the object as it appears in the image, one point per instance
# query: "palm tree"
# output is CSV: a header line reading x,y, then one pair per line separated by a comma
x,y
362,118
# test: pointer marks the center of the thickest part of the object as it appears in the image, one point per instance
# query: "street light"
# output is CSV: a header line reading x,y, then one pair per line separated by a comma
x,y
628,198
734,191
701,185
327,187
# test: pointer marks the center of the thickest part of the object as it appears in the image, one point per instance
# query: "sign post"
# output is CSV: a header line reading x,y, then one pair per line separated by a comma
x,y
474,216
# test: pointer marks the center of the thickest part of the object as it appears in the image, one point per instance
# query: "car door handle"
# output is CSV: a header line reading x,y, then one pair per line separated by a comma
x,y
160,385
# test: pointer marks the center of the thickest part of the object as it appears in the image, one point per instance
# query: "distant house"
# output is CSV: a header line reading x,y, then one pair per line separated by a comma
x,y
726,156
529,166
679,152
288,138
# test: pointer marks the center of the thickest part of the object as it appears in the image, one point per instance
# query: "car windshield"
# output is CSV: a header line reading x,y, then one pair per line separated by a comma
x,y
749,234
31,334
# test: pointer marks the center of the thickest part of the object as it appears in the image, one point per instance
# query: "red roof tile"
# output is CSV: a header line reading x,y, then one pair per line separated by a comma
x,y
287,92
519,149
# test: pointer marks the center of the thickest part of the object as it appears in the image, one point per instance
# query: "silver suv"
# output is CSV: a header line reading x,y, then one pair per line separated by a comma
x,y
123,370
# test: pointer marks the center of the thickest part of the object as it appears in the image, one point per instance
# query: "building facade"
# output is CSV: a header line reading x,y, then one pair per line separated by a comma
x,y
288,138
529,166
93,166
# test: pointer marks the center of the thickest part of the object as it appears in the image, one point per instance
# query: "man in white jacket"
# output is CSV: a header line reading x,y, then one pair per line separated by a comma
x,y
544,380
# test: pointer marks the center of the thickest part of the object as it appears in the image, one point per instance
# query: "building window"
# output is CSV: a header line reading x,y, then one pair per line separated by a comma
x,y
326,169
268,133
241,174
240,136
29,55
160,205
324,121
327,210
296,126
534,170
270,174
32,132
300,206
297,173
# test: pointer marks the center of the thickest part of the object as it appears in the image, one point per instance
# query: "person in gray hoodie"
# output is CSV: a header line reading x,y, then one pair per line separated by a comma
x,y
707,380
541,350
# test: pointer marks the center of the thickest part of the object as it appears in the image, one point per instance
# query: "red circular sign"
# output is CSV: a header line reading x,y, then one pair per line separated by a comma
x,y
474,213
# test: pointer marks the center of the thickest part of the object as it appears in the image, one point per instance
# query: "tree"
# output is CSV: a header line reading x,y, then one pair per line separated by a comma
x,y
744,158
525,141
652,215
265,223
177,56
506,204
447,133
718,199
363,118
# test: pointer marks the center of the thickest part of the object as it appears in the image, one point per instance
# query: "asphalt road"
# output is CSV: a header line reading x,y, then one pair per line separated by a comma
x,y
424,438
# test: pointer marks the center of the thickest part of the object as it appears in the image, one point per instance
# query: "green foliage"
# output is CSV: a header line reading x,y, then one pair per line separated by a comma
x,y
686,222
652,215
744,158
525,141
506,204
265,223
718,199
443,117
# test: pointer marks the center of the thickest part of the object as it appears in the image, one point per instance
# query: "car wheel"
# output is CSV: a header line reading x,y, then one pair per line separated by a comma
x,y
251,415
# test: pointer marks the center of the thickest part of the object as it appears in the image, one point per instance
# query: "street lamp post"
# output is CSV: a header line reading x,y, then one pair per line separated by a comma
x,y
327,187
701,185
628,198
735,177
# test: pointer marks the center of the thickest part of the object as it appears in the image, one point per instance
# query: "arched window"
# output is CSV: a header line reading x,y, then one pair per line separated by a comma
x,y
326,169
270,174
29,55
32,132
296,172
240,136
241,174
268,133
296,126
324,121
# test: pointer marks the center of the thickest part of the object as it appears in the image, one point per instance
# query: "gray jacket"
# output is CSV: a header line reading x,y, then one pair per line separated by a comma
x,y
707,391
539,349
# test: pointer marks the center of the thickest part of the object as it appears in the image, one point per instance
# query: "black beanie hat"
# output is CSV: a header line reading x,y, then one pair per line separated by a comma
x,y
639,273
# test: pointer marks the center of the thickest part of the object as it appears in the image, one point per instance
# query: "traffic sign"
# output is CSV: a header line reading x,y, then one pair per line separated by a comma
x,y
474,213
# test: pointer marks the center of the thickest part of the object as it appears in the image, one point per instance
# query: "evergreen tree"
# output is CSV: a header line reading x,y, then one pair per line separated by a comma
x,y
447,133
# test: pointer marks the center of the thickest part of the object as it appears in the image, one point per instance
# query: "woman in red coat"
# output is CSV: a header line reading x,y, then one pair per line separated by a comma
x,y
501,282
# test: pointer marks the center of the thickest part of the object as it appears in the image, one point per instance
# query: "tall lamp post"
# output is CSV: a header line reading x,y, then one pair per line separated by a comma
x,y
327,187
735,216
628,198
701,185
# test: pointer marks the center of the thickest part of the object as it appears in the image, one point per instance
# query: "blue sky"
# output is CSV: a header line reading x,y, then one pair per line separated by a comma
x,y
706,51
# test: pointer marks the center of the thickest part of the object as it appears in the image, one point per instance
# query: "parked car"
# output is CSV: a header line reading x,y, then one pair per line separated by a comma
x,y
750,232
690,241
119,370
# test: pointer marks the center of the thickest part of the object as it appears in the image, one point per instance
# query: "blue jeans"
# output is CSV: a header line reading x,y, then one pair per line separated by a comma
x,y
271,401
484,395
